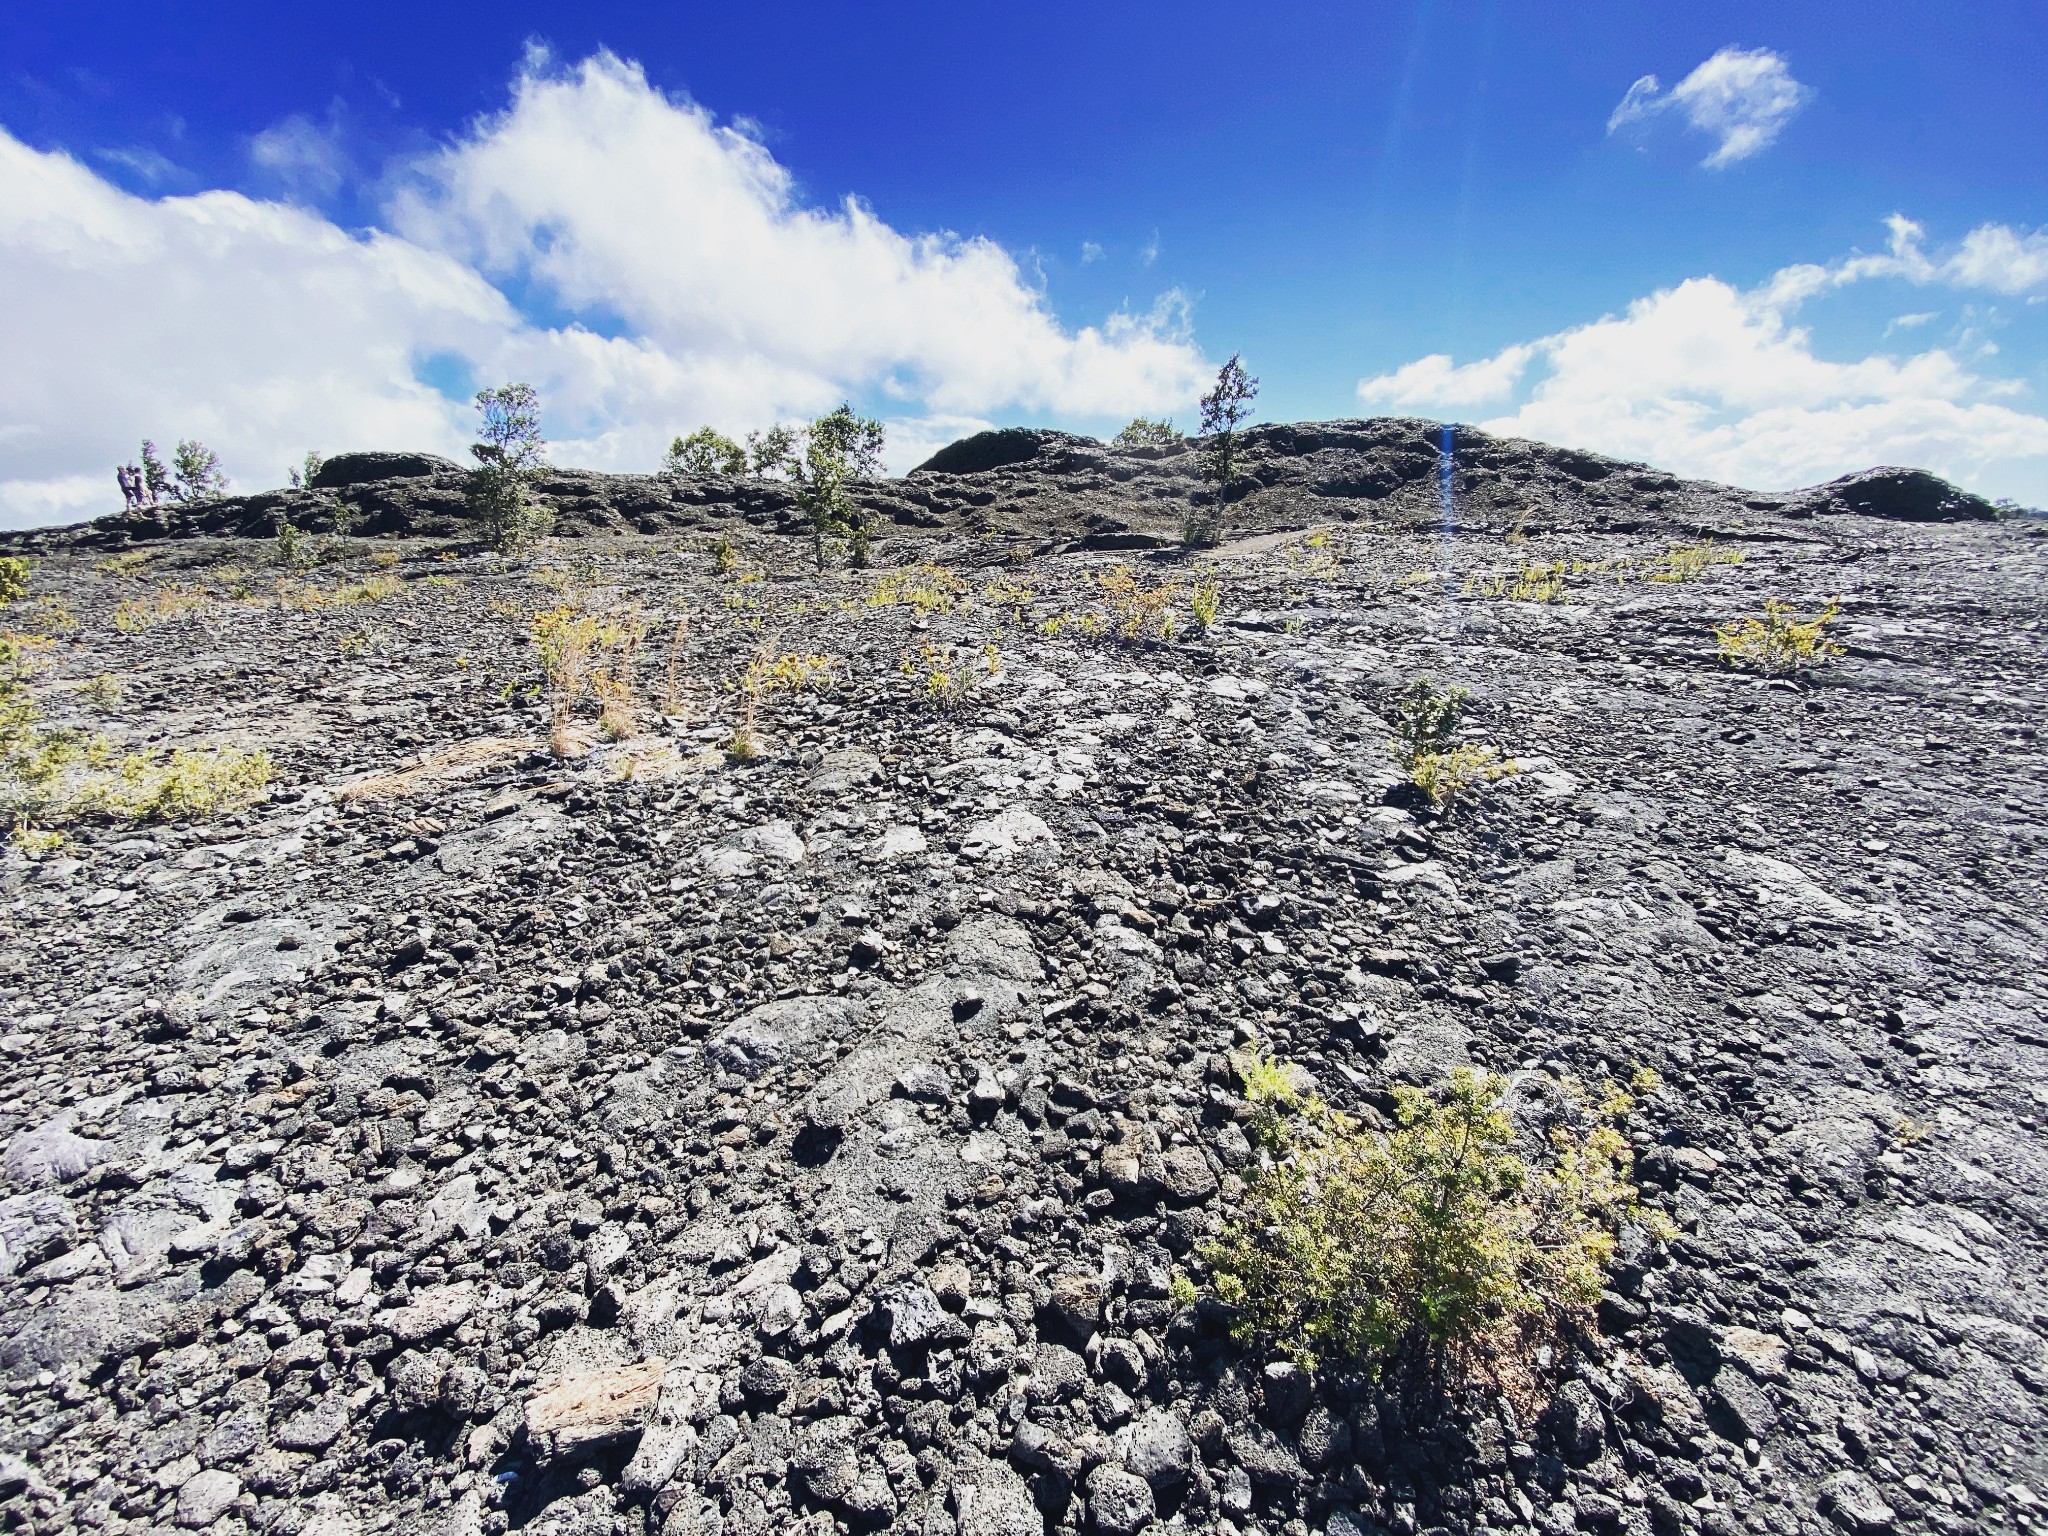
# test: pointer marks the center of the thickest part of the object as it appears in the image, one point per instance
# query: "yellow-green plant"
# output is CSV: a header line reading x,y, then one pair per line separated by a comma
x,y
1687,562
1536,582
13,578
1003,592
927,588
1780,642
585,655
53,776
1425,743
1314,557
949,675
371,589
1353,1245
1443,776
1136,610
186,783
104,691
773,671
1205,601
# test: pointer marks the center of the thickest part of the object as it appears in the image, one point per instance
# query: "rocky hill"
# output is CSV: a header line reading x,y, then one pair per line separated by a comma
x,y
516,1121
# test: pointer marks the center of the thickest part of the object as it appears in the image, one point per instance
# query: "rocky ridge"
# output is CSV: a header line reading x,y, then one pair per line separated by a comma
x,y
464,1139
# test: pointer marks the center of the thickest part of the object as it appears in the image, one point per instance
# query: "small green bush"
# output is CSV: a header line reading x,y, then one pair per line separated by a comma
x,y
1224,409
706,451
13,578
199,475
1779,643
1355,1246
837,448
1425,743
511,453
1143,432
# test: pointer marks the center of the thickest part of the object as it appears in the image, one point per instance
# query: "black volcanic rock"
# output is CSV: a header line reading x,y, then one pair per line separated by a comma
x,y
382,1147
996,450
1910,495
347,469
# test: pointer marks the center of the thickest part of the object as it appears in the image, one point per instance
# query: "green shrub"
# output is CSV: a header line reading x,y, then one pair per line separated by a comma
x,y
1143,432
772,454
706,451
1354,1246
1780,642
1224,409
512,452
1426,720
1425,743
837,448
198,472
13,578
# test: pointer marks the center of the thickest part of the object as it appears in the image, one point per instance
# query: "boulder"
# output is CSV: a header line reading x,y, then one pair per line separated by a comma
x,y
346,469
995,450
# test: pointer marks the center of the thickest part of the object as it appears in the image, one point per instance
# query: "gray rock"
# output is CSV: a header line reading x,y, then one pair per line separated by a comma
x,y
1854,1503
1042,1450
52,1153
1057,1373
1265,1459
823,1459
433,1312
317,1427
915,1316
769,1379
33,1227
1288,1391
343,470
205,1497
1578,1423
1156,1447
990,1499
1119,1503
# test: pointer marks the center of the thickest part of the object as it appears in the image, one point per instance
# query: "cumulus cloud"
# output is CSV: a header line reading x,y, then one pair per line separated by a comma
x,y
624,203
1741,97
1434,382
683,281
1710,380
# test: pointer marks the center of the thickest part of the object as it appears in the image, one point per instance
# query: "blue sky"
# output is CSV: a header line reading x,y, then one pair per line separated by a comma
x,y
279,230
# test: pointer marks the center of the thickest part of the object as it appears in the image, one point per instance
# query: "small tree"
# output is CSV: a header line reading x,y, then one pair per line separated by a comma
x,y
508,458
198,471
706,451
772,454
1224,408
837,448
1143,432
156,479
302,473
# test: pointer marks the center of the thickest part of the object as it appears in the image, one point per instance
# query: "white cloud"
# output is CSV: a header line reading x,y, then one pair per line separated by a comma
x,y
2001,259
1708,380
1742,97
624,203
699,289
306,156
1912,322
1433,381
1090,252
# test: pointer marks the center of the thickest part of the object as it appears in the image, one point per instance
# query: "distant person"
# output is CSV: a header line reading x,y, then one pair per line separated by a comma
x,y
128,496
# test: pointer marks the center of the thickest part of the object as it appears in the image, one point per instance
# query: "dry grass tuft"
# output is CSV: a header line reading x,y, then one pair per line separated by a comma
x,y
432,768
